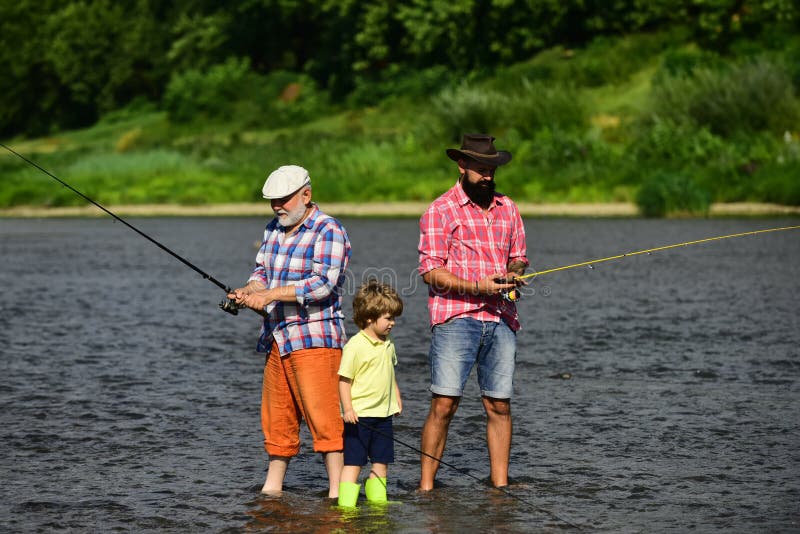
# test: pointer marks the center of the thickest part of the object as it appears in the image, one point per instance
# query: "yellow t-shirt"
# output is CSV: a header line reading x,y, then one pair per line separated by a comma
x,y
370,365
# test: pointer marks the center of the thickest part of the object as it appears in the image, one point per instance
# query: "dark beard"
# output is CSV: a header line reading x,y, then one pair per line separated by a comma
x,y
481,193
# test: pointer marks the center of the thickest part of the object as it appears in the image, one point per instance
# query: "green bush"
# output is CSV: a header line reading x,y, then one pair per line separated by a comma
x,y
753,96
194,94
284,98
603,61
232,92
777,179
684,61
665,193
536,106
397,82
779,183
467,108
667,143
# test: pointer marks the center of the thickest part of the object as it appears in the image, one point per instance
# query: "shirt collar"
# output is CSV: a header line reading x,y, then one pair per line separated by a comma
x,y
312,217
374,342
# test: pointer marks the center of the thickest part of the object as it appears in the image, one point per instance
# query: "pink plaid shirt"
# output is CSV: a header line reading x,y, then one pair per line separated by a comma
x,y
456,235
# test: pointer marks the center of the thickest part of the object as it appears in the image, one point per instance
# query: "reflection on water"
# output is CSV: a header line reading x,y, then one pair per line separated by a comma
x,y
294,512
653,393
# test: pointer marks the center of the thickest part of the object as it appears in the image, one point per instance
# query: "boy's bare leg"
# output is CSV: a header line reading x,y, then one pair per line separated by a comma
x,y
275,475
378,470
350,473
334,462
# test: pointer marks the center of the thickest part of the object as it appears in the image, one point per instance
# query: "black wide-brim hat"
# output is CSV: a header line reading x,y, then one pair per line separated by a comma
x,y
479,147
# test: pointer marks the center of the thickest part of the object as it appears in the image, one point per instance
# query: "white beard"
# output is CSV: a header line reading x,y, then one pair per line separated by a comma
x,y
290,218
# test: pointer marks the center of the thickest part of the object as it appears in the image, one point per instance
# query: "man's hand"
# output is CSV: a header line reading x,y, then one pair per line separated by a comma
x,y
256,299
493,284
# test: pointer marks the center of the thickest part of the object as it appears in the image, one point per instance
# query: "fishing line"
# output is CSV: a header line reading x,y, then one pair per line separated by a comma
x,y
649,250
467,473
228,306
514,295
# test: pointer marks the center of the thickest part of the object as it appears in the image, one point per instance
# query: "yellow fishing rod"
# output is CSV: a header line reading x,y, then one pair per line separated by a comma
x,y
513,295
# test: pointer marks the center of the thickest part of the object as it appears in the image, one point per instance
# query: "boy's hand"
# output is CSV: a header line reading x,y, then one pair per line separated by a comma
x,y
350,416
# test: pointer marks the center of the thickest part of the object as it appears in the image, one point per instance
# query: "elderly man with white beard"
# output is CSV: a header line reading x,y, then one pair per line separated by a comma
x,y
296,285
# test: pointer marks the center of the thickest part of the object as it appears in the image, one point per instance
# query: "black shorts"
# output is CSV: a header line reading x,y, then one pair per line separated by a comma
x,y
369,439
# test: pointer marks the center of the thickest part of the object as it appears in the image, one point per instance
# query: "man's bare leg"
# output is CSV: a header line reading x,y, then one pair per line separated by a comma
x,y
334,462
275,475
434,437
498,438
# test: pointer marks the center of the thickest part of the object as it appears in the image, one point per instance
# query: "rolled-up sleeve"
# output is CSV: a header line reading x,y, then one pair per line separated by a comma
x,y
331,252
518,249
434,241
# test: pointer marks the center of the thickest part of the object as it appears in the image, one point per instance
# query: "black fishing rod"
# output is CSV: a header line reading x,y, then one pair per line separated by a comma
x,y
226,305
467,473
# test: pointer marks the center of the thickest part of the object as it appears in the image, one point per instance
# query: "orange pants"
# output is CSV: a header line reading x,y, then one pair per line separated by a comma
x,y
301,385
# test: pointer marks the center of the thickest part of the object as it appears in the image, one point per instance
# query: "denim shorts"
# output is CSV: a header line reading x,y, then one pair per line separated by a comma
x,y
371,438
458,344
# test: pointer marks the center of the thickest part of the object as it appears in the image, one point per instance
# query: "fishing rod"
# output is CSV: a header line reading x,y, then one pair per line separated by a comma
x,y
467,473
514,295
229,305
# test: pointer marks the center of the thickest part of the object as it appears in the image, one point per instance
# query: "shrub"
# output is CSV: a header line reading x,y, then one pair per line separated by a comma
x,y
537,105
231,91
664,193
397,81
776,180
212,93
684,61
753,96
778,183
285,98
468,109
668,143
603,61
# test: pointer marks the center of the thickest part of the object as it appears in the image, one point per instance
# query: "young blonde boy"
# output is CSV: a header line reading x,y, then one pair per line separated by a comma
x,y
368,393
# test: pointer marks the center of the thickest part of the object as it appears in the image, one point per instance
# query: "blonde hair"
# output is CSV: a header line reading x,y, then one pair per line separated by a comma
x,y
372,300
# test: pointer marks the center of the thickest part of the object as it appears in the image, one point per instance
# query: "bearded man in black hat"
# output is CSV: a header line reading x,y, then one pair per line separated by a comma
x,y
471,248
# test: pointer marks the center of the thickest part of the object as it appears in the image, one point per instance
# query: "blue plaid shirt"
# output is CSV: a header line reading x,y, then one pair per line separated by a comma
x,y
313,260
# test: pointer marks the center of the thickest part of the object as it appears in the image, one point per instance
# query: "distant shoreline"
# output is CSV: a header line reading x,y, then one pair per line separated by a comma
x,y
381,209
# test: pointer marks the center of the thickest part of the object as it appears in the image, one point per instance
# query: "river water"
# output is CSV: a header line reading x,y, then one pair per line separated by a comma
x,y
129,402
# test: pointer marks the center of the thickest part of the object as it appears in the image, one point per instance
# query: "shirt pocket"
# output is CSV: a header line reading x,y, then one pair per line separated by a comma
x,y
466,245
298,267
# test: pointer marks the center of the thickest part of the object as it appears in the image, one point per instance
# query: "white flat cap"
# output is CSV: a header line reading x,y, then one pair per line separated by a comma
x,y
284,181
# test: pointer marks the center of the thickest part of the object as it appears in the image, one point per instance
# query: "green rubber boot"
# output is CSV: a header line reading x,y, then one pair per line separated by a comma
x,y
348,494
375,488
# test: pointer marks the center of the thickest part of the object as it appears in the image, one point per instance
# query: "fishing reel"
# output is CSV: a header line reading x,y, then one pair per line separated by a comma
x,y
511,295
230,306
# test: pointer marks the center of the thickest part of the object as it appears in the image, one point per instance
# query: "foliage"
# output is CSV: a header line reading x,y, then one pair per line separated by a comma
x,y
198,41
66,63
369,94
396,82
752,96
213,93
465,108
537,106
231,91
669,192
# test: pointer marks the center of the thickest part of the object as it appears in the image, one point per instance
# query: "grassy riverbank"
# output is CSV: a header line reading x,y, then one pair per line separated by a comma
x,y
650,127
